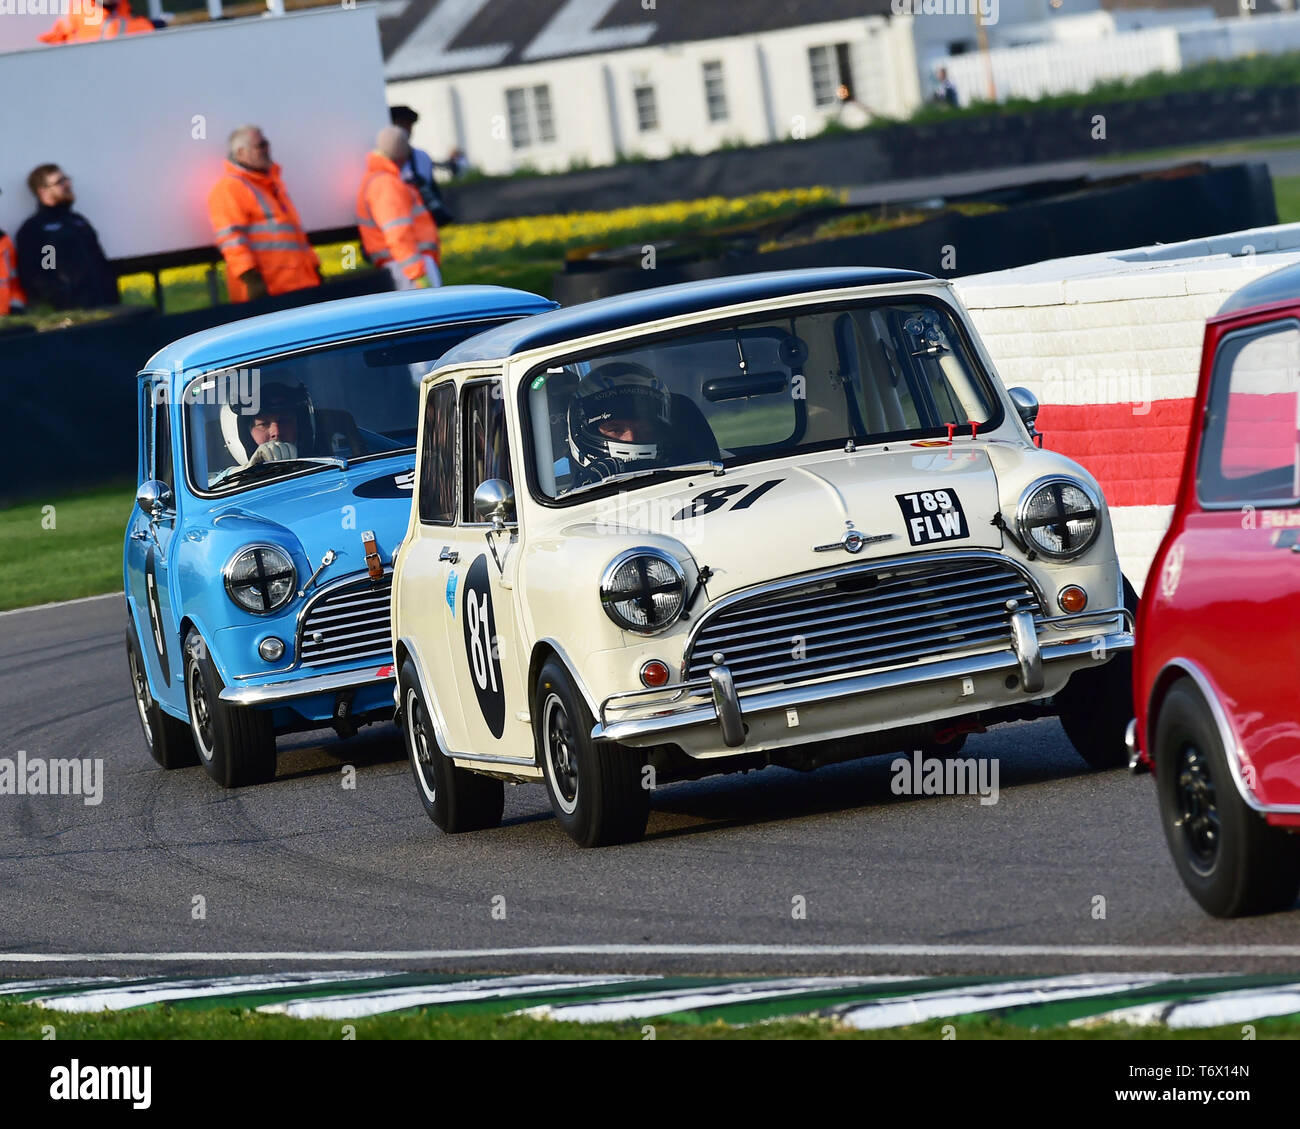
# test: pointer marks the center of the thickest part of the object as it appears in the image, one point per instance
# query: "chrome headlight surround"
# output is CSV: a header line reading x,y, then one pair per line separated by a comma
x,y
267,586
627,592
1084,507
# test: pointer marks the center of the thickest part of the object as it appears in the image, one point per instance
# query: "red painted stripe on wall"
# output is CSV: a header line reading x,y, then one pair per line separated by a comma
x,y
1137,458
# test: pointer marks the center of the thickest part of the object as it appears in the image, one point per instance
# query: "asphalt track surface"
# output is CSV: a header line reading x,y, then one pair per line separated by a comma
x,y
310,874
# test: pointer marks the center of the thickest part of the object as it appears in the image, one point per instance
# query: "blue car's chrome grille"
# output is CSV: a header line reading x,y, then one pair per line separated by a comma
x,y
346,623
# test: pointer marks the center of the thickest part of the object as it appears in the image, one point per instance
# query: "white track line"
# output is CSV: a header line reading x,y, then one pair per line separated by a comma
x,y
1087,952
1218,1010
358,1005
643,1005
64,603
118,997
872,1015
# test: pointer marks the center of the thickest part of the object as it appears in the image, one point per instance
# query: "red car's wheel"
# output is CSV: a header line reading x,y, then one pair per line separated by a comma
x,y
1230,860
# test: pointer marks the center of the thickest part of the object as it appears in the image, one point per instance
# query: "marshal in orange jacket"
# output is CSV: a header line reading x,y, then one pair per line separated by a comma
x,y
11,290
395,225
87,26
257,228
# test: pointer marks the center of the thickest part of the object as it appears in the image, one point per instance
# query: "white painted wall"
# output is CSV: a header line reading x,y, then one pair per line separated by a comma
x,y
1122,327
313,80
595,113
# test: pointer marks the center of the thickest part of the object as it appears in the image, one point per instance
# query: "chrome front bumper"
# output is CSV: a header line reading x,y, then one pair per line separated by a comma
x,y
269,693
660,713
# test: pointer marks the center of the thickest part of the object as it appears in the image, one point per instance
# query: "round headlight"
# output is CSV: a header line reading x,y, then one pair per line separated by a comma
x,y
643,590
1059,517
260,579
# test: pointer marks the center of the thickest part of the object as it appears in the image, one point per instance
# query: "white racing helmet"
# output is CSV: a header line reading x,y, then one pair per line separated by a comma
x,y
276,399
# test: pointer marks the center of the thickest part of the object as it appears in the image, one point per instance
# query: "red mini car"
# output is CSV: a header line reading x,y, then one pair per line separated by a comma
x,y
1217,664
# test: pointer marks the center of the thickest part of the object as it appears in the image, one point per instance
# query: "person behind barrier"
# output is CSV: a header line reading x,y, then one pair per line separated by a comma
x,y
60,260
397,231
256,225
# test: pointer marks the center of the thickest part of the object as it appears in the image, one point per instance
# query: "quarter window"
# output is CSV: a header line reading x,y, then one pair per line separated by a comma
x,y
1249,453
487,454
438,457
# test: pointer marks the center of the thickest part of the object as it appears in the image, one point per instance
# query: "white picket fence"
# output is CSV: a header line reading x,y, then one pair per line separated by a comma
x,y
1075,66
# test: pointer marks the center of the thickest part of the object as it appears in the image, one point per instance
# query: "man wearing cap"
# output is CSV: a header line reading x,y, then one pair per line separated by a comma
x,y
397,231
256,225
419,166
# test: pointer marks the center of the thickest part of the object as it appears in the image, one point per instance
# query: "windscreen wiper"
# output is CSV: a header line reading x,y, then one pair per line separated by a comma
x,y
230,475
711,465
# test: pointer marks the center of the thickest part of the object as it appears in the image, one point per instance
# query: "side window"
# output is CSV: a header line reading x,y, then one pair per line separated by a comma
x,y
1249,451
487,455
438,457
146,431
162,442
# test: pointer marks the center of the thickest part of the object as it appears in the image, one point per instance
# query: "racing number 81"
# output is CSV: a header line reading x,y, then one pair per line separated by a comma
x,y
480,640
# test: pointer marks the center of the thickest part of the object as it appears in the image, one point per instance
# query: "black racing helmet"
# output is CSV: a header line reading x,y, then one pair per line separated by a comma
x,y
618,390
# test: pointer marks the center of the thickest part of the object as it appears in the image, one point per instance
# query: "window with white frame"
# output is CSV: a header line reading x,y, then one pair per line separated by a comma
x,y
715,91
647,108
831,69
528,109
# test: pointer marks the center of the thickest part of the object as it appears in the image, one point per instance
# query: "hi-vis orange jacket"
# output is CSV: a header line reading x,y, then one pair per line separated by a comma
x,y
257,227
11,290
395,225
84,27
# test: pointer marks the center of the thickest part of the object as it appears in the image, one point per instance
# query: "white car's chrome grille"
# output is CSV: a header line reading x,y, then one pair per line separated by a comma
x,y
863,618
347,622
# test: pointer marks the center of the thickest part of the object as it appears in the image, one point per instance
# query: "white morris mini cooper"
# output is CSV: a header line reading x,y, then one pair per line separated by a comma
x,y
788,518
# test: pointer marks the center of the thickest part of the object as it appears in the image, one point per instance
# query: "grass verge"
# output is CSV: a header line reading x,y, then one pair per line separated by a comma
x,y
24,1021
63,548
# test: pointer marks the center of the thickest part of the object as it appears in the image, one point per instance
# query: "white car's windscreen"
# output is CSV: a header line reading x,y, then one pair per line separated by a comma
x,y
803,380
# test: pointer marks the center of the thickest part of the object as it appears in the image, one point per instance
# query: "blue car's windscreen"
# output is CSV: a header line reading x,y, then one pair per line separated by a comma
x,y
327,407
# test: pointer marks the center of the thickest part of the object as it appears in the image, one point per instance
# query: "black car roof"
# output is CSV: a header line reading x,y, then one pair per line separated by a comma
x,y
625,311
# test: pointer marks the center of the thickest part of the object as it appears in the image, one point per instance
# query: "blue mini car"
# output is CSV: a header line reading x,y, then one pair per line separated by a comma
x,y
277,456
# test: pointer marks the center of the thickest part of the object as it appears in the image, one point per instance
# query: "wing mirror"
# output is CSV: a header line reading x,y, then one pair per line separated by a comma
x,y
494,501
1027,409
154,499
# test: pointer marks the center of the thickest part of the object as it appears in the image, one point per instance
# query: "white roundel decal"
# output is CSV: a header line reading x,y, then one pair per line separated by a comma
x,y
1172,572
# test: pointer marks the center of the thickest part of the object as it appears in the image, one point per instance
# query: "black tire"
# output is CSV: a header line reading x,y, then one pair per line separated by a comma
x,y
168,739
1231,861
454,798
236,745
598,794
1096,705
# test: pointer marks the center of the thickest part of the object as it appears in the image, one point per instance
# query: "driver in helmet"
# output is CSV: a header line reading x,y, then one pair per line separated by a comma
x,y
279,429
618,420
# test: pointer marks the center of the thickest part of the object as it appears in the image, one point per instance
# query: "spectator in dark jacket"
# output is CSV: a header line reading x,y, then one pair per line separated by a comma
x,y
60,261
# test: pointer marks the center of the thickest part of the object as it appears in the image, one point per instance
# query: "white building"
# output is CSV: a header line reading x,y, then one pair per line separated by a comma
x,y
517,83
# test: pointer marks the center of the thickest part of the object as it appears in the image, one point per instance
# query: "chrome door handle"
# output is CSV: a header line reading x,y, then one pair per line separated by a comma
x,y
449,554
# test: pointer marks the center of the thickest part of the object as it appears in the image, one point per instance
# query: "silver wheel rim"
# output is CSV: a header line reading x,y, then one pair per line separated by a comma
x,y
196,697
143,699
560,755
421,754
